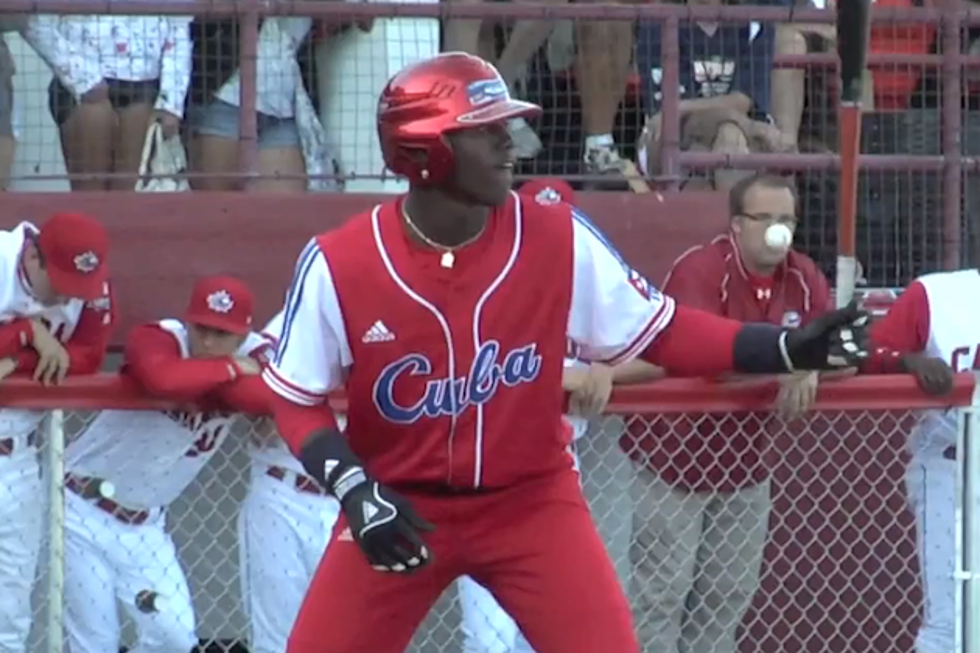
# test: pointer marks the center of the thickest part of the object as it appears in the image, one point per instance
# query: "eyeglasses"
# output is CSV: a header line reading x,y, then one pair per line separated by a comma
x,y
768,218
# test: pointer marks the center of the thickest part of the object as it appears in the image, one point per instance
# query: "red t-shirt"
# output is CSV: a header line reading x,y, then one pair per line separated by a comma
x,y
722,452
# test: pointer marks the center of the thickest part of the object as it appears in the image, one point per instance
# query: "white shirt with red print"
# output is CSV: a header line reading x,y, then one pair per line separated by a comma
x,y
84,50
278,77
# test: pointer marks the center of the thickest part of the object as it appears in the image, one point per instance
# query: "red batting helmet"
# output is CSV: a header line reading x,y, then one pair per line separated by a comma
x,y
432,98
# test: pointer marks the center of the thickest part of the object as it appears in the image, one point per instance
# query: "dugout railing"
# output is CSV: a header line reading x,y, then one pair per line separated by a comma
x,y
840,572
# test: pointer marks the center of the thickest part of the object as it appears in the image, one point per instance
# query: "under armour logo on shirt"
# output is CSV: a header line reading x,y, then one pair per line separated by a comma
x,y
763,294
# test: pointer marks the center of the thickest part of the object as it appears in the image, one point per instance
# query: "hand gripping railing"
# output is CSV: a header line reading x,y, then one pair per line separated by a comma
x,y
858,403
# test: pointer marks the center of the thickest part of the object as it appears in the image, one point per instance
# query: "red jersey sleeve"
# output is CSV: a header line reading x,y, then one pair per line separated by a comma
x,y
903,330
250,394
820,300
88,342
691,282
154,360
14,336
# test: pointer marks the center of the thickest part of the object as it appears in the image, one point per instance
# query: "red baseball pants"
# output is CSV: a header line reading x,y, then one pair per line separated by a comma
x,y
533,546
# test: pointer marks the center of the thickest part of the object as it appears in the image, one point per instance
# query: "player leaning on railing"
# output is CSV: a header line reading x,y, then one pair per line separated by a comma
x,y
56,313
919,336
455,459
128,466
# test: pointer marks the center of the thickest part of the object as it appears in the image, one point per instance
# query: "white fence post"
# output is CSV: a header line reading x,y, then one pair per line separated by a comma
x,y
55,441
968,528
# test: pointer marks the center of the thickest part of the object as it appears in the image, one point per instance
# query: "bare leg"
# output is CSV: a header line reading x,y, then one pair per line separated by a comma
x,y
286,161
86,140
134,120
214,155
602,71
730,139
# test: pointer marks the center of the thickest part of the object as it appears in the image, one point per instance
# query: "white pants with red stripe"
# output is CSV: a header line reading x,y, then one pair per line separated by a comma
x,y
21,524
283,534
930,482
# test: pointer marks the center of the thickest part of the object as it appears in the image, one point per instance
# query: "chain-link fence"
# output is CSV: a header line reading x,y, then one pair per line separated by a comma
x,y
303,104
730,531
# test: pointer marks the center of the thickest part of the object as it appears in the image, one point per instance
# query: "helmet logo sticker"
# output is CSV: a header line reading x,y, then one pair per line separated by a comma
x,y
487,90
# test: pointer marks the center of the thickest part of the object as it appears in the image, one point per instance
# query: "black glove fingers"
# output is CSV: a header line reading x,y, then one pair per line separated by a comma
x,y
419,554
380,557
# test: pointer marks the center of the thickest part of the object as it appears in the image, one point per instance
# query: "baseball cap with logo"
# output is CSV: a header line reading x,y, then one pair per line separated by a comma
x,y
548,190
74,248
223,303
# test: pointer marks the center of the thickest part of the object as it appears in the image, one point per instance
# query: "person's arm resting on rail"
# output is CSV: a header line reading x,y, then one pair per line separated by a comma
x,y
616,315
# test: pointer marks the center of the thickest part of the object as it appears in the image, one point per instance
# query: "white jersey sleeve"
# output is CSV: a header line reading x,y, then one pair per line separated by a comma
x,y
313,351
615,313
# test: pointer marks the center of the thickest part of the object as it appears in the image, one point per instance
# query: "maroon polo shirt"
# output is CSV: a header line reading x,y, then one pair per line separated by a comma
x,y
725,451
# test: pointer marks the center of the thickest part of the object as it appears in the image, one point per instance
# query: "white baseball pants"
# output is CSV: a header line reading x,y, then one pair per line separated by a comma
x,y
21,524
283,534
930,482
107,560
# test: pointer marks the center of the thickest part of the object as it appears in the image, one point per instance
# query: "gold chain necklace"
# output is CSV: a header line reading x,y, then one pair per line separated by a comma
x,y
448,259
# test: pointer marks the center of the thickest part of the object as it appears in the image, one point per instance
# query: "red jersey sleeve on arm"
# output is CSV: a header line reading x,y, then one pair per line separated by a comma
x,y
88,342
690,282
695,343
14,337
153,358
296,422
903,330
820,300
249,395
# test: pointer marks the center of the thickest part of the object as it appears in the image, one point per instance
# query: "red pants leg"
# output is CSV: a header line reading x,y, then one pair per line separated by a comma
x,y
351,608
548,568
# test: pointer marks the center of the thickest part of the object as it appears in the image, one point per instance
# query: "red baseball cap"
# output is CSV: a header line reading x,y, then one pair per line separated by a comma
x,y
74,248
548,190
223,303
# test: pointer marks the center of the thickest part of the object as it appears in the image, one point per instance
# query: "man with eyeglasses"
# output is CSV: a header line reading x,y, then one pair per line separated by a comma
x,y
702,490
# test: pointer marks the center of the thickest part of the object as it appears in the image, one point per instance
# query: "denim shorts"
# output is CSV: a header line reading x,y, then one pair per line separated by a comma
x,y
221,119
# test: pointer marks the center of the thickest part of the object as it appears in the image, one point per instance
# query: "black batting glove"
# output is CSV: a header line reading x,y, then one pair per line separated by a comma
x,y
835,340
383,524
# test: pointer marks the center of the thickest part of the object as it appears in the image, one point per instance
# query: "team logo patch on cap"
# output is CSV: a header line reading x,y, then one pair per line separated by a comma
x,y
487,90
86,262
220,302
547,197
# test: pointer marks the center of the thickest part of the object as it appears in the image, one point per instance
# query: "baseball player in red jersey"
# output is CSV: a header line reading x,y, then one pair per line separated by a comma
x,y
128,466
446,312
920,336
56,316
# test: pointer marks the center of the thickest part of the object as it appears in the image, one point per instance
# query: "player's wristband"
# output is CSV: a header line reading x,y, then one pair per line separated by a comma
x,y
328,458
761,349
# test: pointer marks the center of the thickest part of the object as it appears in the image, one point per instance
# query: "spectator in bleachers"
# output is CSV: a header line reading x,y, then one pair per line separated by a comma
x,y
725,89
114,74
215,122
603,55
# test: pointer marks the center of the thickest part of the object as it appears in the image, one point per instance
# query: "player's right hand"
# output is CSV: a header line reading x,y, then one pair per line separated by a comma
x,y
386,527
52,357
835,340
933,375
